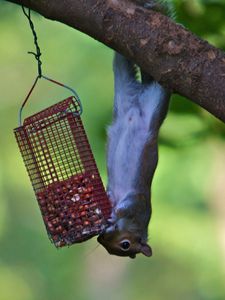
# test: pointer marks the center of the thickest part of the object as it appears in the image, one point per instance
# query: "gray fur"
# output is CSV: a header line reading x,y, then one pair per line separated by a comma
x,y
139,110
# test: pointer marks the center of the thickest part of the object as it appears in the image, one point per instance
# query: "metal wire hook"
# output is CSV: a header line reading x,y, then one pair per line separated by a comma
x,y
53,81
37,55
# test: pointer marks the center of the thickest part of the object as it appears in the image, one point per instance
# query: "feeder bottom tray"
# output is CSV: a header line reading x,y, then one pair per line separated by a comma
x,y
70,210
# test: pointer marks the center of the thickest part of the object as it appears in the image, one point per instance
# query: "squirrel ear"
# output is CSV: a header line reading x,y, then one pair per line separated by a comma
x,y
146,250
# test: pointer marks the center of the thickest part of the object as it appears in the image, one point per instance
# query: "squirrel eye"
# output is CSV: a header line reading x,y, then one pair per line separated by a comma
x,y
125,245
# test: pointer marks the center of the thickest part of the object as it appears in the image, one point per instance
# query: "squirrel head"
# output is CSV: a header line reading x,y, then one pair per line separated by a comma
x,y
126,234
124,243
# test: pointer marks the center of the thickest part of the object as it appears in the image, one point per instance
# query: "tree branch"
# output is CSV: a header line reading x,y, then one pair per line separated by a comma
x,y
171,54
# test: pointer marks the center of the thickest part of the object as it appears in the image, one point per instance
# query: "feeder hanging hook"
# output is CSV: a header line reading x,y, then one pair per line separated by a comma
x,y
37,55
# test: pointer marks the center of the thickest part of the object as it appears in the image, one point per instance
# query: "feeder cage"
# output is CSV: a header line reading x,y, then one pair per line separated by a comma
x,y
63,172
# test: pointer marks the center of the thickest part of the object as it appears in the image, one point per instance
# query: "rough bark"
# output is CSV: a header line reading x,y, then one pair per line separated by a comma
x,y
171,54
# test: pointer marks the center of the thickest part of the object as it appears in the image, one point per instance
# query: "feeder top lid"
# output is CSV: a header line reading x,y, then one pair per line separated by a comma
x,y
69,105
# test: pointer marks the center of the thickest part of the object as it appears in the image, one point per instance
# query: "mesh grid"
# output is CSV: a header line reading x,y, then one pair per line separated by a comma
x,y
63,173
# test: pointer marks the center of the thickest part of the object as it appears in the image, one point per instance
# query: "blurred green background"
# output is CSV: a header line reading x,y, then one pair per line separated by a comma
x,y
187,230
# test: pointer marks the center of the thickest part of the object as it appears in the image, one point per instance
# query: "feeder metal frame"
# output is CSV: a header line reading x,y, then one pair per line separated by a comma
x,y
56,152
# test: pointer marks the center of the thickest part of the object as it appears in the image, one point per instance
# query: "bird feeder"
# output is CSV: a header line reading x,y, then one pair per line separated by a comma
x,y
63,173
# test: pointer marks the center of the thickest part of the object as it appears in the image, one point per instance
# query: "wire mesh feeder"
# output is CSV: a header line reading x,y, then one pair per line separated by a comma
x,y
63,172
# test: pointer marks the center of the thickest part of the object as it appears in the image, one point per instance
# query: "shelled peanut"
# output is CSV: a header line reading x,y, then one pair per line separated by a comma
x,y
70,211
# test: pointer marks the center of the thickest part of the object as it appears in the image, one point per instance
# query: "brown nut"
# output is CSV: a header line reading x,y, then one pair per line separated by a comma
x,y
64,233
57,202
86,180
73,216
90,189
97,222
55,221
55,238
60,244
59,229
62,215
86,223
78,227
70,222
50,208
80,177
58,190
87,196
42,202
50,225
83,214
80,190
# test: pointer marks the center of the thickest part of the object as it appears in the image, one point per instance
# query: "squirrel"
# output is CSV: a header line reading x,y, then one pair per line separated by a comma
x,y
132,157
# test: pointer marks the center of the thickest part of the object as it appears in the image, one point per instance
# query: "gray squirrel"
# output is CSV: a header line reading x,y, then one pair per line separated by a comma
x,y
132,156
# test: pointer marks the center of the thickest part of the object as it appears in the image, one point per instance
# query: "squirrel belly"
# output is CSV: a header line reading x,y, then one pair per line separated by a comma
x,y
132,139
